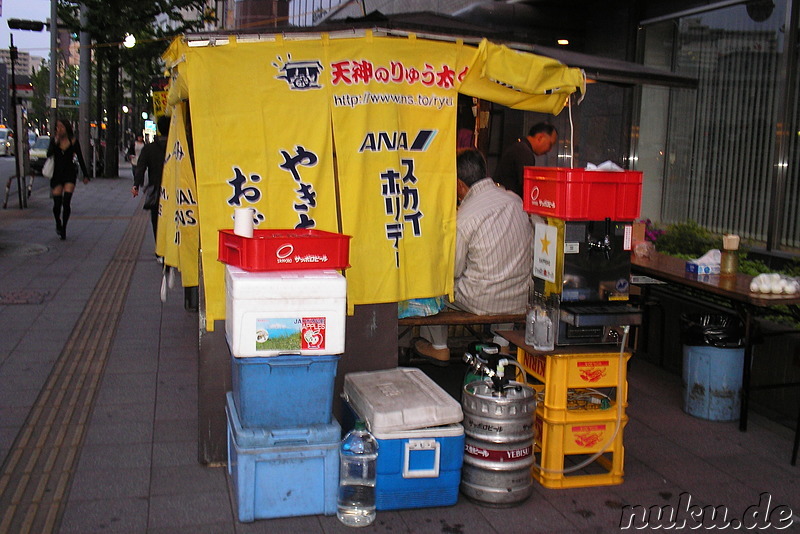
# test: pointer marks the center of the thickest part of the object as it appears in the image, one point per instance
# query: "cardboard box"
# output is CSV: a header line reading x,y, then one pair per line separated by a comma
x,y
637,235
694,267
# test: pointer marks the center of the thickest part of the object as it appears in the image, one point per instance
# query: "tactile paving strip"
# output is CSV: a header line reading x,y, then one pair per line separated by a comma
x,y
36,475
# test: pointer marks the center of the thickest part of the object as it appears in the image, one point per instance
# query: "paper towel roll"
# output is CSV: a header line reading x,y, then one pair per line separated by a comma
x,y
243,222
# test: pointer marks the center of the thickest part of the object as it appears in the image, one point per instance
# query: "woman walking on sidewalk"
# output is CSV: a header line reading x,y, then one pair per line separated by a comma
x,y
64,148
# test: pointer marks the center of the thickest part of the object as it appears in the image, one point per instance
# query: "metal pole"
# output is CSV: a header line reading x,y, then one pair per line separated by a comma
x,y
53,65
84,85
788,73
17,145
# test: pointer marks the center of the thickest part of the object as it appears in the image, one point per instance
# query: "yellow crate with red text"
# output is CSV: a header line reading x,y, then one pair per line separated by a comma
x,y
574,368
558,446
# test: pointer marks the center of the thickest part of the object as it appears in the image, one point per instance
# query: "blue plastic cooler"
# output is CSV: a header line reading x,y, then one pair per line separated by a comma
x,y
419,468
283,391
282,472
420,440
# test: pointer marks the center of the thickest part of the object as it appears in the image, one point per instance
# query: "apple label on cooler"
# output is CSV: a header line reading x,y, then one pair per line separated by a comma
x,y
290,333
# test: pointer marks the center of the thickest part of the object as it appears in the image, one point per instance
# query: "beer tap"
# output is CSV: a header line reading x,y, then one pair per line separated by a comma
x,y
602,245
484,358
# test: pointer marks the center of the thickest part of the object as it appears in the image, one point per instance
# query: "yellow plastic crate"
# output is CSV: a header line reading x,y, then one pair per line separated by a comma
x,y
561,372
581,437
563,415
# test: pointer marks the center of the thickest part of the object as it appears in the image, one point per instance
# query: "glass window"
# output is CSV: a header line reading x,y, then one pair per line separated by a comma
x,y
709,154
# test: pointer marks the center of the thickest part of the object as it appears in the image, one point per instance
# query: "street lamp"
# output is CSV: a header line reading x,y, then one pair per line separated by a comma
x,y
34,26
125,121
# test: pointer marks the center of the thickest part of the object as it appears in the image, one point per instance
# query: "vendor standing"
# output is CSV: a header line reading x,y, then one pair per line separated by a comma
x,y
510,168
494,244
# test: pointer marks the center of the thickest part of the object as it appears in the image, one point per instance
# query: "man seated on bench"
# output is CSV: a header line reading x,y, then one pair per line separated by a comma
x,y
494,253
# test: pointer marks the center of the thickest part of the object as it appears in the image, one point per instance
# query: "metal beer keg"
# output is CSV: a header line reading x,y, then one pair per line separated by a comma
x,y
498,448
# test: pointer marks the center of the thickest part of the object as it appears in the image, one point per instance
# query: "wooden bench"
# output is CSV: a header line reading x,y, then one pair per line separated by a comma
x,y
450,317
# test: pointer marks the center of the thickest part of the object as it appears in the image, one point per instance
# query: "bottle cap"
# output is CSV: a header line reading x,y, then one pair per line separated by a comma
x,y
360,425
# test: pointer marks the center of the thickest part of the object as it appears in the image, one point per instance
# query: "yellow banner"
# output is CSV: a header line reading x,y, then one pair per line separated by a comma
x,y
178,238
262,139
177,90
521,80
394,116
265,115
159,103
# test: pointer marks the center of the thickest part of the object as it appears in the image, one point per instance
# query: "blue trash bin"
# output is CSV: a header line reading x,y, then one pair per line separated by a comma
x,y
713,358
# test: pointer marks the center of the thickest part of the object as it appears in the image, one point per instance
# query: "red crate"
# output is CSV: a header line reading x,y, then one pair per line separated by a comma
x,y
284,250
581,195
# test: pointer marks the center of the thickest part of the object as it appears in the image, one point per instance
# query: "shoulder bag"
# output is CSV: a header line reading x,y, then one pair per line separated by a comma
x,y
151,199
48,167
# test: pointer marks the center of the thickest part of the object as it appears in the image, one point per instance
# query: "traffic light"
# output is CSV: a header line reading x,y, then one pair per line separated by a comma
x,y
21,24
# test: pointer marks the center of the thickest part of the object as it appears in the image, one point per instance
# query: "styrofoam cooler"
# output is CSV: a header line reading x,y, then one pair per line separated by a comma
x,y
284,312
420,438
283,391
282,472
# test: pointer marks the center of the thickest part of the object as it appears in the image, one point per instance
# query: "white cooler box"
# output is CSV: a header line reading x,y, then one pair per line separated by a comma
x,y
284,312
420,440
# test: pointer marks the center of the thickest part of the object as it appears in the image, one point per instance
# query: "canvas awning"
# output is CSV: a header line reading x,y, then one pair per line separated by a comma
x,y
443,27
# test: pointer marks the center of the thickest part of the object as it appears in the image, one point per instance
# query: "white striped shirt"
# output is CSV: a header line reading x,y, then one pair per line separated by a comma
x,y
494,251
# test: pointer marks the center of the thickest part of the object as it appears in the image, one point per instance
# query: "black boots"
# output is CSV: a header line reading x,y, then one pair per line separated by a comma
x,y
61,230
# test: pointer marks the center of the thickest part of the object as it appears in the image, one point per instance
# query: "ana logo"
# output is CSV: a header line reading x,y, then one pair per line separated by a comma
x,y
393,141
284,251
300,75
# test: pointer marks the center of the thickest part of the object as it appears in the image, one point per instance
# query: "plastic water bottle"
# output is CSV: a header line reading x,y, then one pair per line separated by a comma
x,y
530,322
358,456
543,335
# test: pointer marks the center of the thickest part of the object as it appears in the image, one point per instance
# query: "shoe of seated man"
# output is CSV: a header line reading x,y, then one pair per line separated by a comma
x,y
429,353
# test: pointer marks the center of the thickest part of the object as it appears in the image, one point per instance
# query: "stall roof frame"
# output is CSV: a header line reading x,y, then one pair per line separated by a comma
x,y
597,68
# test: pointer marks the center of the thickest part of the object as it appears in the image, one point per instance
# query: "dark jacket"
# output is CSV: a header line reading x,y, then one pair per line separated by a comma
x,y
510,168
151,159
65,170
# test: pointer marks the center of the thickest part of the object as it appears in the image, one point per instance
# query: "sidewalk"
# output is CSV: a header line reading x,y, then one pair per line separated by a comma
x,y
98,406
